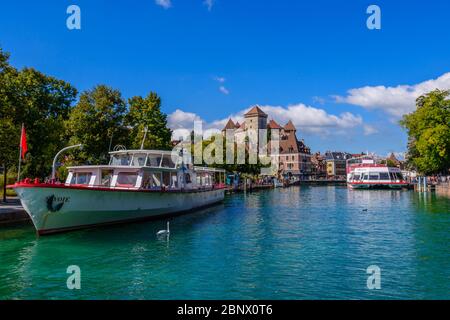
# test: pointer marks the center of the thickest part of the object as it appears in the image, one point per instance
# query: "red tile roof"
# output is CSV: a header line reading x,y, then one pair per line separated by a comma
x,y
273,125
230,125
256,111
289,126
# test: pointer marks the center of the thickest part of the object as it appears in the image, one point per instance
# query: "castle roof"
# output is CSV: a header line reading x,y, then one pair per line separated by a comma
x,y
289,126
256,111
394,159
273,125
229,126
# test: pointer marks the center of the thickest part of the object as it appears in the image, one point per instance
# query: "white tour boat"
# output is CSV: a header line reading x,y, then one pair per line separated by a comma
x,y
135,185
366,174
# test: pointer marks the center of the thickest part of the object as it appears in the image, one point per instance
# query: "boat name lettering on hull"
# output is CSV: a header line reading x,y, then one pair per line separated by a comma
x,y
55,203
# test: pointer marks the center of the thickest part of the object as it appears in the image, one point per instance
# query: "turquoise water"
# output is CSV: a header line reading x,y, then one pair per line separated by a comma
x,y
296,243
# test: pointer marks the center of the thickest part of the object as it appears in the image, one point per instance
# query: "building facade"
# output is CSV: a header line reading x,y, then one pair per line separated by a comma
x,y
318,166
337,164
294,156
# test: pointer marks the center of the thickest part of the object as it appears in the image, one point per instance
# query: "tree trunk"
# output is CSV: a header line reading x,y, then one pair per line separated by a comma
x,y
4,181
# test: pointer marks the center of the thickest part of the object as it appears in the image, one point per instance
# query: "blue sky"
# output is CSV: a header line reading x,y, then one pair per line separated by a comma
x,y
297,59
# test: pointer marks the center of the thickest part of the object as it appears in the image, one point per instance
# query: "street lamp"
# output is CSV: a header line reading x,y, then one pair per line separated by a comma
x,y
58,154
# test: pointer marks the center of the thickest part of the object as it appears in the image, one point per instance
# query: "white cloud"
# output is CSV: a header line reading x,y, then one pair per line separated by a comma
x,y
368,130
311,119
166,4
224,90
209,4
222,87
319,100
395,101
307,119
181,123
180,119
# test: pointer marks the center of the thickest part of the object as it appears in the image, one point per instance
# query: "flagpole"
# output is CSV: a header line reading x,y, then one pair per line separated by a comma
x,y
20,154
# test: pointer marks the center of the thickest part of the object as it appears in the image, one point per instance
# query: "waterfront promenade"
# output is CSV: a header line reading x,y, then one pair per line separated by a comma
x,y
12,212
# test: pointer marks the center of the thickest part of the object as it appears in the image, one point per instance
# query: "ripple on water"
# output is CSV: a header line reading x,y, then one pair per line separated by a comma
x,y
295,243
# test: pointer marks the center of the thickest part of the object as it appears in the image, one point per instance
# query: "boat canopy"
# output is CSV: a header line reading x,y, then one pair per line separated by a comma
x,y
146,158
145,169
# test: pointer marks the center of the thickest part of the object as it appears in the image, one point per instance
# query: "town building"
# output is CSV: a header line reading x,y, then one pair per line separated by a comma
x,y
393,161
318,166
337,164
294,156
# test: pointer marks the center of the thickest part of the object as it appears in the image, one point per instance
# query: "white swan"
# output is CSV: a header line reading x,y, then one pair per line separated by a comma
x,y
164,232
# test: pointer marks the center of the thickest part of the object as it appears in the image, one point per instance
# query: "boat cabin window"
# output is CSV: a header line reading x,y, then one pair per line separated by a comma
x,y
153,160
126,179
396,176
356,177
152,180
139,160
384,176
82,178
155,181
374,176
166,179
167,161
365,176
120,160
107,176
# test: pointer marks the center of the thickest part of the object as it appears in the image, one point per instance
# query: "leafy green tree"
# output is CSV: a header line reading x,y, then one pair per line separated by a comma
x,y
43,106
41,103
429,133
146,113
243,168
8,142
97,123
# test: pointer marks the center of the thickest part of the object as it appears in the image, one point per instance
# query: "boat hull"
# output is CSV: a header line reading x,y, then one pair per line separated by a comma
x,y
56,209
366,186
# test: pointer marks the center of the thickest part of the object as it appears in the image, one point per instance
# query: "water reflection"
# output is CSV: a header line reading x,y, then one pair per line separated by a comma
x,y
302,242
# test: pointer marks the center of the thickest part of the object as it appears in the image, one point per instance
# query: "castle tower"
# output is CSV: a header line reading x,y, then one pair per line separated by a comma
x,y
289,128
255,119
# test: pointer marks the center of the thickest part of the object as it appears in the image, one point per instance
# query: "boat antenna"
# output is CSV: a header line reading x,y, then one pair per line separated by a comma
x,y
145,136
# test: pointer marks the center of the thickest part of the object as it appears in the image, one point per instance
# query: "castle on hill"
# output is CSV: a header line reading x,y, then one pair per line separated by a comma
x,y
294,156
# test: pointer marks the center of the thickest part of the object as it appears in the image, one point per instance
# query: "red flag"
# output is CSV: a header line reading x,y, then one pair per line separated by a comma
x,y
23,143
